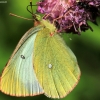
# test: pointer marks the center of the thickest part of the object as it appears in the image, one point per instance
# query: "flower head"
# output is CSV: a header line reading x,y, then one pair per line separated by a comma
x,y
70,15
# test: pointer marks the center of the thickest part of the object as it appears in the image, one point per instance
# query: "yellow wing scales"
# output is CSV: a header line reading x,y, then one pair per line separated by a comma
x,y
63,75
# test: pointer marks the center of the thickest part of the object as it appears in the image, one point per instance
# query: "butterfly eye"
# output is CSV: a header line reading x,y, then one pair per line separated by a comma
x,y
23,57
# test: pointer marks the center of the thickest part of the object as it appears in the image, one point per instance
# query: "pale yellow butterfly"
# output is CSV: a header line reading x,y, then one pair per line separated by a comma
x,y
41,63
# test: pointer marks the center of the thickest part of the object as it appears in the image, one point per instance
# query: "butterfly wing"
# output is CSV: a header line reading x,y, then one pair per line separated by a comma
x,y
18,77
55,65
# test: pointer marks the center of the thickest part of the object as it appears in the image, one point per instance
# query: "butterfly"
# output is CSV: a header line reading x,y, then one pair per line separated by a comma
x,y
41,63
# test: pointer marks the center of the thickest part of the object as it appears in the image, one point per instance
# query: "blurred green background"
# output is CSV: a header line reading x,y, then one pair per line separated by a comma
x,y
86,48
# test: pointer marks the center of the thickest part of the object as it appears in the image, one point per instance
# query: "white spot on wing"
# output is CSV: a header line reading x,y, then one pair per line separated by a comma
x,y
50,66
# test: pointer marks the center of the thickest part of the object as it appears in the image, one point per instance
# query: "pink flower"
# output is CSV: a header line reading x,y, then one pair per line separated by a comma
x,y
70,15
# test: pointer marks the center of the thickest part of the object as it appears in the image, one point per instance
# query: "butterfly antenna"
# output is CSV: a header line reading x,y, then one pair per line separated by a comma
x,y
33,15
11,14
31,5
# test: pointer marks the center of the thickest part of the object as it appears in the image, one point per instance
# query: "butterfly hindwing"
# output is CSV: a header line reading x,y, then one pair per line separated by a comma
x,y
55,65
18,77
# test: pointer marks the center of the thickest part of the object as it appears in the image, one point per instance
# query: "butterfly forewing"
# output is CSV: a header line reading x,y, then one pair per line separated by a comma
x,y
55,65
